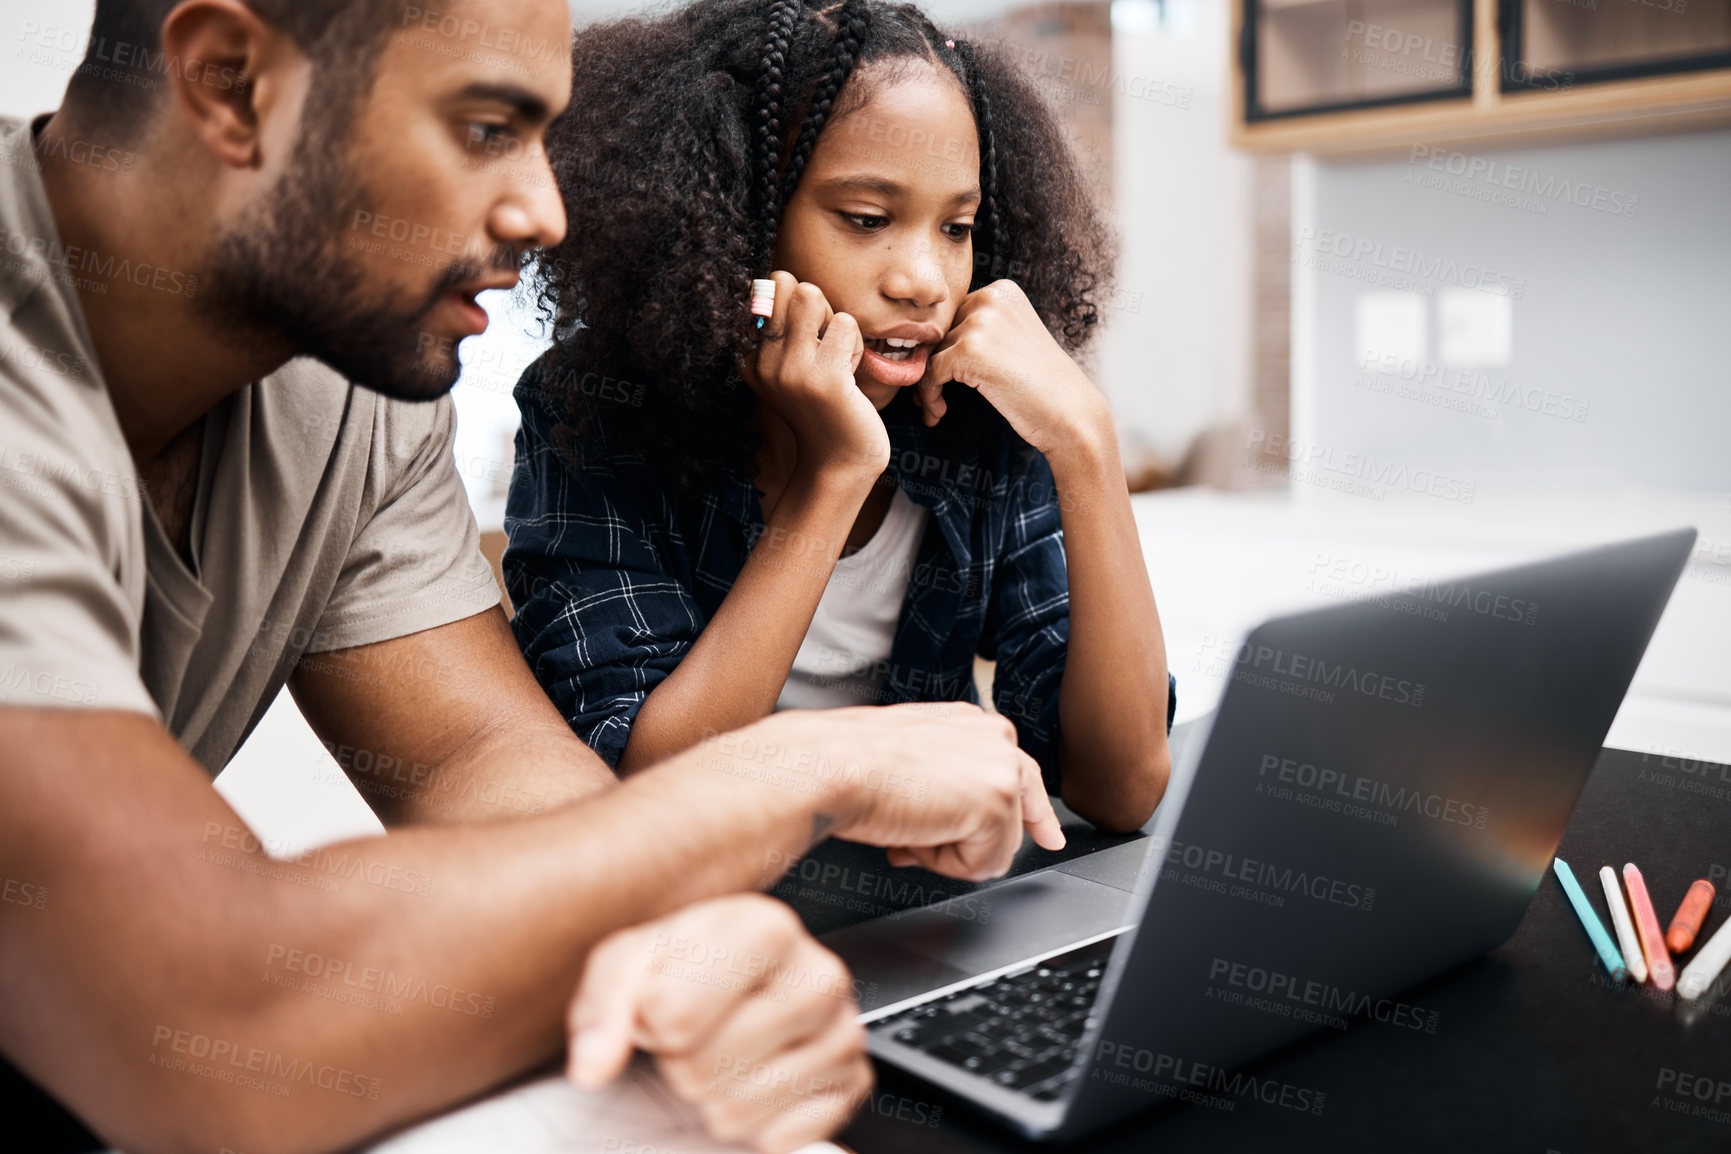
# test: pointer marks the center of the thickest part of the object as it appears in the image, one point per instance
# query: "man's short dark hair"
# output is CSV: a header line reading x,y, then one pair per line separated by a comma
x,y
125,70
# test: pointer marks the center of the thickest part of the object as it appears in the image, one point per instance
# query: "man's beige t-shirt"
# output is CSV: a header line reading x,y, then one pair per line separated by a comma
x,y
326,516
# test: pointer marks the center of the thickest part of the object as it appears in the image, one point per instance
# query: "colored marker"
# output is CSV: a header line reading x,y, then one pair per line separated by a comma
x,y
762,300
1647,923
1625,928
1590,919
1686,922
1705,966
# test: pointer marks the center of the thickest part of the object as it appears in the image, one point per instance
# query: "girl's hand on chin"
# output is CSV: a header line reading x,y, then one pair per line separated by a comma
x,y
999,346
803,369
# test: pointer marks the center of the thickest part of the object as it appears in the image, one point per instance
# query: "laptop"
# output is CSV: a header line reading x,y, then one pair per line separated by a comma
x,y
1375,800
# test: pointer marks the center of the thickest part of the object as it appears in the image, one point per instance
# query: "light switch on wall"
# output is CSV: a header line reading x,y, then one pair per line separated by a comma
x,y
1390,328
1475,329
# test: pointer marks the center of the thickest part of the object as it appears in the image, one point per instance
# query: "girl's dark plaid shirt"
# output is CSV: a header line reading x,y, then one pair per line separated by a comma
x,y
613,581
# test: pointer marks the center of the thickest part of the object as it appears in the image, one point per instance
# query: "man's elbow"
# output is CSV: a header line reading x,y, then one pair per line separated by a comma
x,y
215,1118
206,1066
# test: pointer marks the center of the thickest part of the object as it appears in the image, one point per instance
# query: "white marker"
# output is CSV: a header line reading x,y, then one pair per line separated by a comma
x,y
1626,939
1709,960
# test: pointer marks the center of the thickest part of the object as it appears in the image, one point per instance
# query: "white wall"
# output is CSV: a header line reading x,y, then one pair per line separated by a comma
x,y
1531,348
1176,354
1606,261
41,44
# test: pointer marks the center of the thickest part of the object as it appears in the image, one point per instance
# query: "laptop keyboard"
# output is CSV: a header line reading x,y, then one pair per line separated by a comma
x,y
1019,1030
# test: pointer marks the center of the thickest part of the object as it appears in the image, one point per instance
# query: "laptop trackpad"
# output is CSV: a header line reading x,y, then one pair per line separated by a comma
x,y
916,951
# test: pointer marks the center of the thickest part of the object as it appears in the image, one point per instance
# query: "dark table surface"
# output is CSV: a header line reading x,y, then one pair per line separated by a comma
x,y
1534,1049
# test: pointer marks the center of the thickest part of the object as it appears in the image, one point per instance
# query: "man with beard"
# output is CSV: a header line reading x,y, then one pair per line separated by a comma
x,y
191,518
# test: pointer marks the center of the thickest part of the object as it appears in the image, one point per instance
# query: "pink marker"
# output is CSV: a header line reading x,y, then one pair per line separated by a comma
x,y
1647,922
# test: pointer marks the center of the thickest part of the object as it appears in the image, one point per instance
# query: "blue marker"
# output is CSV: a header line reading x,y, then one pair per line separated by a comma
x,y
1590,919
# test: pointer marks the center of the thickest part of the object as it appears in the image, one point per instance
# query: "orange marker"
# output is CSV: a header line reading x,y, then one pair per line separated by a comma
x,y
1647,924
1686,922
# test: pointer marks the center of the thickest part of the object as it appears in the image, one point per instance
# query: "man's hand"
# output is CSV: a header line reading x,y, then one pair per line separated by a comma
x,y
941,784
749,1019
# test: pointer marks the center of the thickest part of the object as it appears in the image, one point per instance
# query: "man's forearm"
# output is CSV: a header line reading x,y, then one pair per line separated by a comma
x,y
446,725
307,1005
513,769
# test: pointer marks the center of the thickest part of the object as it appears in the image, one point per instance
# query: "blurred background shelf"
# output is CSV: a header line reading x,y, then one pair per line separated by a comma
x,y
1336,55
1356,76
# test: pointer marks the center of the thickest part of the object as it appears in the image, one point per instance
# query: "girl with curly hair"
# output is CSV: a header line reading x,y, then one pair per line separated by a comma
x,y
902,468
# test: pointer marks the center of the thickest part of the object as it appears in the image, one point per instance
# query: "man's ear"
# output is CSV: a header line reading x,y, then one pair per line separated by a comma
x,y
224,65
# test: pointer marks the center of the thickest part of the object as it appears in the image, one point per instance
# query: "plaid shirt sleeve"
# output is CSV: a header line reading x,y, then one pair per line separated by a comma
x,y
599,617
1028,617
